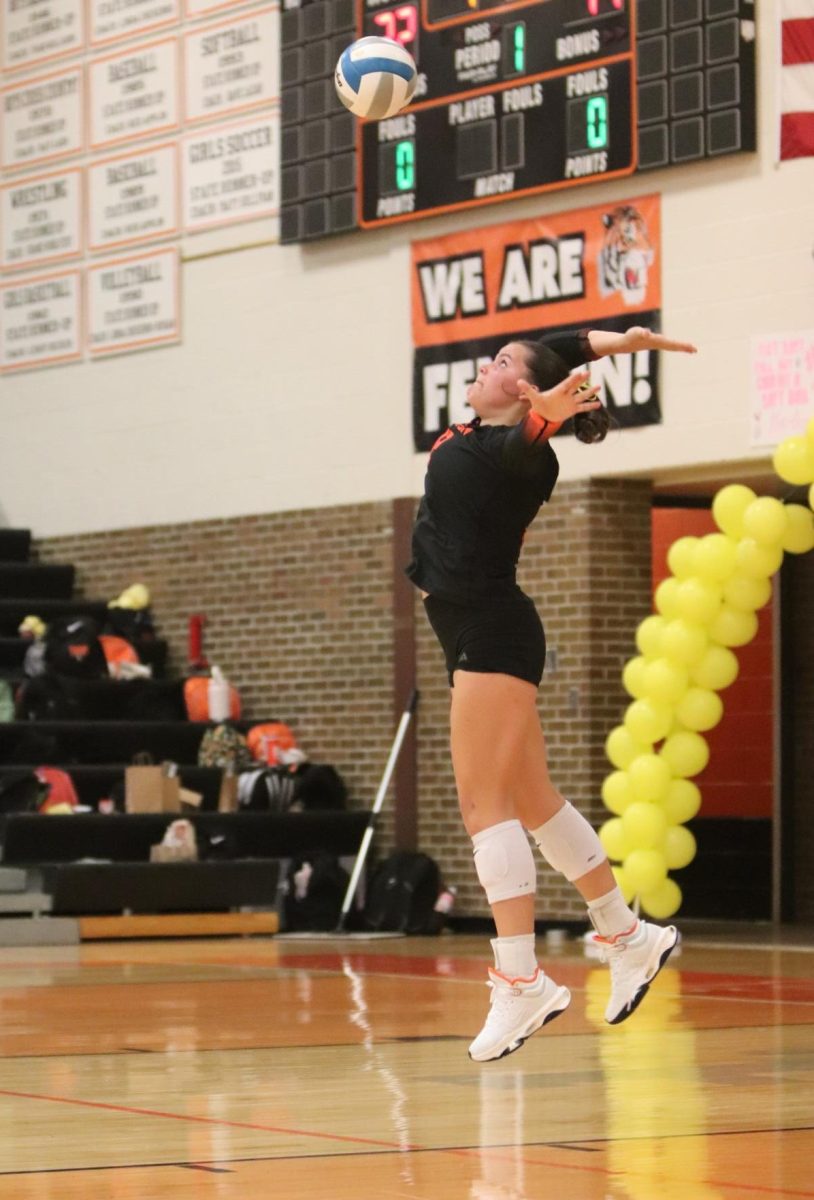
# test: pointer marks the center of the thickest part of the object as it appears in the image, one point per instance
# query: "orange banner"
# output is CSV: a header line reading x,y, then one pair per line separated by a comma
x,y
568,268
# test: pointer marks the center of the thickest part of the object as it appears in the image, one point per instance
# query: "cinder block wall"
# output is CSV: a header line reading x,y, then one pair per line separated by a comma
x,y
299,616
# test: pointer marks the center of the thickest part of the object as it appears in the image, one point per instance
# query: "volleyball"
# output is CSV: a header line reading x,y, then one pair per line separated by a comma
x,y
375,78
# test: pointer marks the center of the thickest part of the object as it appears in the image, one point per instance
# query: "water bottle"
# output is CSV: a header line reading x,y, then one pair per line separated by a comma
x,y
218,697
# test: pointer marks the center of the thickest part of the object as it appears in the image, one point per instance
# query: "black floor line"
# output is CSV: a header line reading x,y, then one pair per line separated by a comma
x,y
581,1145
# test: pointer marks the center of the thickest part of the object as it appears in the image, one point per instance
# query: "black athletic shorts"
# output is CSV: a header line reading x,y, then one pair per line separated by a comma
x,y
501,635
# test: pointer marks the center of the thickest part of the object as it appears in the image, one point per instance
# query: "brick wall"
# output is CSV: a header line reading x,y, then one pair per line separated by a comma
x,y
298,611
586,563
299,616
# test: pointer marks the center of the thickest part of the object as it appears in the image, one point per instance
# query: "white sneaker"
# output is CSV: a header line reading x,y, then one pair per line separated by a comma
x,y
635,959
518,1008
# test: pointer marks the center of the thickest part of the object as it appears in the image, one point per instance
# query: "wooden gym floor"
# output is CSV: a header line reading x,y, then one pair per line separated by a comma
x,y
258,1068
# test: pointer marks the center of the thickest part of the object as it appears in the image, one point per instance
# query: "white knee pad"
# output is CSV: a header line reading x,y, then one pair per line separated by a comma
x,y
504,861
569,844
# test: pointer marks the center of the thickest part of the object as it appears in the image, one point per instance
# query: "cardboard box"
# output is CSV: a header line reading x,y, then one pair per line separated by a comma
x,y
151,790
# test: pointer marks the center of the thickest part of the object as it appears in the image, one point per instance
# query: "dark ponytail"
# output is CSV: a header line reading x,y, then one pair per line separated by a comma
x,y
546,369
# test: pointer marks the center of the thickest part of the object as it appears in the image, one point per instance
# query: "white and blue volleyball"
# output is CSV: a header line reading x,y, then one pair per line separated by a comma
x,y
375,78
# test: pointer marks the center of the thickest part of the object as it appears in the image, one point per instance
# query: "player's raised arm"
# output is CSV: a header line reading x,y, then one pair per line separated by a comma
x,y
603,342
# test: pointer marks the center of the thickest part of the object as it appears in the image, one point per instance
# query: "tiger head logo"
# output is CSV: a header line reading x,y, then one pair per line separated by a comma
x,y
626,255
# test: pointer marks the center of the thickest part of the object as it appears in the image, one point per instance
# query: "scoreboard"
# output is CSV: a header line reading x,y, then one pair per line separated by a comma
x,y
510,99
514,97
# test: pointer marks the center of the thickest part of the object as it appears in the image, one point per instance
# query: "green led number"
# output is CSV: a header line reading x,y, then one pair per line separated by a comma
x,y
519,48
405,166
596,119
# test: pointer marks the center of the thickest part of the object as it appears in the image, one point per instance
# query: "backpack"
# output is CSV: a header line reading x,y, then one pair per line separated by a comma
x,y
224,747
117,649
6,701
72,648
46,698
267,789
21,791
268,742
402,893
61,791
318,787
196,699
136,627
314,889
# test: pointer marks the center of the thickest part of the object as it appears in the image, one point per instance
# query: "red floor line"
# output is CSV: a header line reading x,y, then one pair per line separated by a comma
x,y
386,1145
151,1112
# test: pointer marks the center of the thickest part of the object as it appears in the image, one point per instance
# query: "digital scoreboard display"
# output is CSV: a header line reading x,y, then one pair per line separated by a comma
x,y
510,100
513,98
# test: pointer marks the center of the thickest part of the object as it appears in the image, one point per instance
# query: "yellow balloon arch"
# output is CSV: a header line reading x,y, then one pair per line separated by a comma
x,y
705,609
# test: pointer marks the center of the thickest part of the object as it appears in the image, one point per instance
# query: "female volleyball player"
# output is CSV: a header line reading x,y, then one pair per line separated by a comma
x,y
485,483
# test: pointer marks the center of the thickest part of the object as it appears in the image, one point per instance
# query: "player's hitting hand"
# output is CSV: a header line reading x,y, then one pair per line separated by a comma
x,y
573,395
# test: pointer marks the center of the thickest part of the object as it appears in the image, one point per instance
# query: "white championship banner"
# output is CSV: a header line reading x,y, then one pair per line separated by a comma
x,y
134,93
40,321
133,303
111,20
233,66
36,31
231,173
133,197
41,119
41,219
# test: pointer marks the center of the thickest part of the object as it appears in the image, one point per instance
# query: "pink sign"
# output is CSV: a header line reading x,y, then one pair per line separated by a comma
x,y
782,381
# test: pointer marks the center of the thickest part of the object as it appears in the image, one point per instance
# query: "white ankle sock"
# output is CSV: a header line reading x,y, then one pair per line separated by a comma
x,y
610,915
514,956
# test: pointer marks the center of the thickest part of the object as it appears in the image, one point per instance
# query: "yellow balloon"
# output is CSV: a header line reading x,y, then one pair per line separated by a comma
x,y
664,681
645,870
662,901
648,635
679,847
686,753
794,460
649,777
621,747
633,676
684,641
765,520
718,669
728,507
614,839
617,792
747,595
698,600
756,561
647,721
714,558
666,597
681,555
799,535
623,883
732,627
699,709
682,802
645,826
